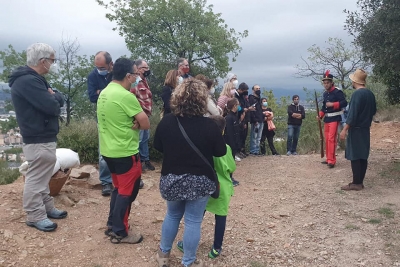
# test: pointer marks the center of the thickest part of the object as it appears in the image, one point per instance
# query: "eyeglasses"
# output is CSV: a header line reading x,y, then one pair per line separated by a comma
x,y
134,73
54,59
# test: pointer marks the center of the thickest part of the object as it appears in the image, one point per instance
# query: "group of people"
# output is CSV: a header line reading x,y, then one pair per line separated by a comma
x,y
198,136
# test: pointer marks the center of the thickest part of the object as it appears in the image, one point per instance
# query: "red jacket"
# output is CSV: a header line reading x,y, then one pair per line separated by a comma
x,y
144,96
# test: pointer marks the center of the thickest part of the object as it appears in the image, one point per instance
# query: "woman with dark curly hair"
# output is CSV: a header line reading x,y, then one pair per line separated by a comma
x,y
186,179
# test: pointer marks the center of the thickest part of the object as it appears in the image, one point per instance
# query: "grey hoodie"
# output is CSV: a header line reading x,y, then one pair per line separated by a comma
x,y
36,109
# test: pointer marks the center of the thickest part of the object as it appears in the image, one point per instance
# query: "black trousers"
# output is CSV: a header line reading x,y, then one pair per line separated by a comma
x,y
359,168
270,137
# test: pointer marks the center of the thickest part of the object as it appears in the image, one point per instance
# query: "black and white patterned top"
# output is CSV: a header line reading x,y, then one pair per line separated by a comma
x,y
185,187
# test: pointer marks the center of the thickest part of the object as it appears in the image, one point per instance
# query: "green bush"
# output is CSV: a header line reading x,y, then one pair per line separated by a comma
x,y
155,155
81,137
7,175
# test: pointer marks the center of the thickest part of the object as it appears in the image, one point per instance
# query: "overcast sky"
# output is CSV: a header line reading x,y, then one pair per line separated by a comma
x,y
280,31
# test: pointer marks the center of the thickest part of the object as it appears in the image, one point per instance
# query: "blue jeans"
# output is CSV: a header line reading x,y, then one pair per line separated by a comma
x,y
104,172
193,210
144,136
255,137
293,137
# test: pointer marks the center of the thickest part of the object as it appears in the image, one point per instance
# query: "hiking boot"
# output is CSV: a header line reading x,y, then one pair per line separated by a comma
x,y
131,238
324,162
106,190
141,184
44,225
294,153
351,186
197,263
179,245
330,165
288,153
55,213
238,159
108,231
214,253
147,166
162,258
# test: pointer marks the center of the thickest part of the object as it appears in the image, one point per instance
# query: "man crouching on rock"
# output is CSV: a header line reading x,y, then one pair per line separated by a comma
x,y
37,107
120,117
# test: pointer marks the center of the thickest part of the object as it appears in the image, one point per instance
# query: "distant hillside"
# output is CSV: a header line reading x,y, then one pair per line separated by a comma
x,y
4,95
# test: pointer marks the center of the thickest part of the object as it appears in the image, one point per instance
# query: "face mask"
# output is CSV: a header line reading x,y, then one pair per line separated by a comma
x,y
265,104
233,91
52,68
212,90
102,72
258,93
235,83
185,69
146,73
239,108
180,80
138,79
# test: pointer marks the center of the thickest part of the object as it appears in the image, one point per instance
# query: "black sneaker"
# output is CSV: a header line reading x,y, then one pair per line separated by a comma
x,y
147,166
141,185
235,182
106,190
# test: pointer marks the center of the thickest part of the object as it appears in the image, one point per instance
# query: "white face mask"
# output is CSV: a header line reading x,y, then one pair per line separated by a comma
x,y
235,83
53,67
138,79
212,90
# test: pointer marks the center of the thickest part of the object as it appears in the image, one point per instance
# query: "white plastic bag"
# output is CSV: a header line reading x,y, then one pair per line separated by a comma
x,y
24,168
67,158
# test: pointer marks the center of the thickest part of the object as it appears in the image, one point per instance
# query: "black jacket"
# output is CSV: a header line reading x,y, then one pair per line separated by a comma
x,y
36,109
232,132
292,108
257,115
244,103
166,97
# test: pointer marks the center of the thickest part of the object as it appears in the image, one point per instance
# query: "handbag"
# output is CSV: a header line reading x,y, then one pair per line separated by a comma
x,y
215,180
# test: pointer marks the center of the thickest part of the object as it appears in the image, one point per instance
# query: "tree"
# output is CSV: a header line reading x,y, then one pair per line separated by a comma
x,y
163,30
71,79
11,60
340,59
376,28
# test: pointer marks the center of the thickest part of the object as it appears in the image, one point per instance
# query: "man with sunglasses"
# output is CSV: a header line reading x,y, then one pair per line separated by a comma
x,y
97,80
37,108
141,89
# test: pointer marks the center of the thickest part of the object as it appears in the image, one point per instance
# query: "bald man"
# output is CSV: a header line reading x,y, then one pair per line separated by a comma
x,y
97,80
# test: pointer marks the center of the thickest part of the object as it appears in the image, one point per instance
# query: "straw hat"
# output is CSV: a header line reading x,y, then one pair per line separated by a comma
x,y
359,76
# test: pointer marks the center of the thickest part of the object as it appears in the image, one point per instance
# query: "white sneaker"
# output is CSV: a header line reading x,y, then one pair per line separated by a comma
x,y
237,159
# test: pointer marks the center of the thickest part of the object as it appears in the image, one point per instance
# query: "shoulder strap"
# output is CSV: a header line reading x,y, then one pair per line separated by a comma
x,y
192,145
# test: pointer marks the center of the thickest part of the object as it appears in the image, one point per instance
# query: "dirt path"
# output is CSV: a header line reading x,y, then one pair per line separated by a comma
x,y
288,211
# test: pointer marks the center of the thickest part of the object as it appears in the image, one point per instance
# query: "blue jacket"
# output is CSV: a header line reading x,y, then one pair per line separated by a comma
x,y
96,82
339,101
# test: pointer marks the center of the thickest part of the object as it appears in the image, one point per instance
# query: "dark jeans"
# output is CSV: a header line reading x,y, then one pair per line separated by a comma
x,y
243,137
293,137
219,232
269,136
359,168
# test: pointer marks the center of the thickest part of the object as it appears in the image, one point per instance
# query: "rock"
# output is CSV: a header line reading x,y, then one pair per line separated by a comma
x,y
136,203
79,174
64,199
8,233
93,200
388,141
159,219
287,245
250,240
41,244
93,181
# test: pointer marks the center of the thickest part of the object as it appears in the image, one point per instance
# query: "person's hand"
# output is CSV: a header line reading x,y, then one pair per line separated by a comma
x,y
136,125
50,91
98,92
252,108
343,134
242,117
329,104
318,118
